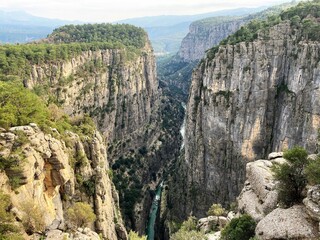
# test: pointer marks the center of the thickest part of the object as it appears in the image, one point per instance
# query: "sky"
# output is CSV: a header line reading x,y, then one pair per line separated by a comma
x,y
112,10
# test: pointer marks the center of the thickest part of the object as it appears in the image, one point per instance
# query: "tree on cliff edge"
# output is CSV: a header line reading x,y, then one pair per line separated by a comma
x,y
291,176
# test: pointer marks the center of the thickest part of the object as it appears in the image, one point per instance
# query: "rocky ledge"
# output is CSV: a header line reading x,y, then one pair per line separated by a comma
x,y
259,199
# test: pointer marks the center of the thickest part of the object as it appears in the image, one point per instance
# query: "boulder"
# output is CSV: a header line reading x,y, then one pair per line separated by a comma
x,y
222,221
208,224
312,202
275,155
260,177
214,236
56,235
279,161
212,223
231,215
292,223
259,196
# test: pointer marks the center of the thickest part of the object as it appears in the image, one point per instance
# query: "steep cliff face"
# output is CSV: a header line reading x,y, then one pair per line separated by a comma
x,y
250,99
56,172
116,87
205,34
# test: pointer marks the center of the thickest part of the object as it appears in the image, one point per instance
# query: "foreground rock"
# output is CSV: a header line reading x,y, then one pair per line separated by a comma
x,y
312,202
212,223
292,223
51,175
259,196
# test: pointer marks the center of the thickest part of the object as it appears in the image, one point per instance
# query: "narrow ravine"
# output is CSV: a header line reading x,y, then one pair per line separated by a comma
x,y
150,231
153,212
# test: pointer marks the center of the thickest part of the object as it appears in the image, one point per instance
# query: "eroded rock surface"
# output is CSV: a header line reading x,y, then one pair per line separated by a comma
x,y
291,224
51,177
259,196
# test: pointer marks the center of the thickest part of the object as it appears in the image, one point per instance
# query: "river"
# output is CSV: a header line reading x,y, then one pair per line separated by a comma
x,y
153,212
156,201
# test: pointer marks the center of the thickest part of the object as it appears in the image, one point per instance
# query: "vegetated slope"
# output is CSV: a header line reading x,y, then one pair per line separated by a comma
x,y
254,95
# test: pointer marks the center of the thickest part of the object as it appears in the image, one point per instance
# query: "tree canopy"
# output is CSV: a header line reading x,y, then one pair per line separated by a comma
x,y
19,106
126,34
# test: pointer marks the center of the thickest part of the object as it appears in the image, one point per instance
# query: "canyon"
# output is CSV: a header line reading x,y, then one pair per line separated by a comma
x,y
171,141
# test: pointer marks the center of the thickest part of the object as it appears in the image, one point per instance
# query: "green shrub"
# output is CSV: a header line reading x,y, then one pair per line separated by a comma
x,y
188,235
80,214
216,210
90,186
135,236
239,228
7,228
312,171
33,220
13,167
19,106
291,176
190,224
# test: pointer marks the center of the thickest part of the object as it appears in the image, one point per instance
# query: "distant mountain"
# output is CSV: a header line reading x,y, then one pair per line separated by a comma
x,y
167,32
20,27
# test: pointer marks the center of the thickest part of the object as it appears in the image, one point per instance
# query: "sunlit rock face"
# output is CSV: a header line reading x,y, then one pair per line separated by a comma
x,y
51,179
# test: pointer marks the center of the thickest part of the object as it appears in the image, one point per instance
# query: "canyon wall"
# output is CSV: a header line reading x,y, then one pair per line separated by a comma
x,y
247,100
205,34
117,87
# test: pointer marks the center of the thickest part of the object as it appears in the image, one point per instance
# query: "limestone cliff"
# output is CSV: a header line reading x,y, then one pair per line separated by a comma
x,y
248,99
176,71
206,33
55,172
116,87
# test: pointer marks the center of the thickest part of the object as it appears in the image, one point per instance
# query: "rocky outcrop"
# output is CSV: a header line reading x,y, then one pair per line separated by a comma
x,y
51,173
259,196
209,32
251,99
292,223
205,34
259,199
80,234
118,88
312,202
212,223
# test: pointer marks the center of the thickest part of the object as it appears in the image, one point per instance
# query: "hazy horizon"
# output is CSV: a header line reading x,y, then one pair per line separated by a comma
x,y
107,11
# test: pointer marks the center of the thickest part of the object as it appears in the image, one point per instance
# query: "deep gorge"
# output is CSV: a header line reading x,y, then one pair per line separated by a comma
x,y
111,124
